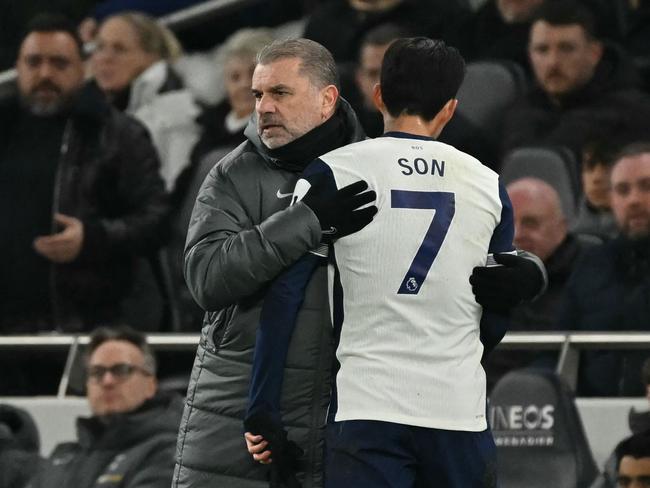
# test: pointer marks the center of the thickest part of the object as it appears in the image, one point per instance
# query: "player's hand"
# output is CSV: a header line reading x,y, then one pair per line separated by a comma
x,y
64,246
256,446
340,214
500,288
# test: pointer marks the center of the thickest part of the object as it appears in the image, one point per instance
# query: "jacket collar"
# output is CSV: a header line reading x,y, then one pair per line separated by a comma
x,y
353,133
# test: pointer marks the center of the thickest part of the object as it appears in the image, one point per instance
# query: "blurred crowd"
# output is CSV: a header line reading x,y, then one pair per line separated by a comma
x,y
115,120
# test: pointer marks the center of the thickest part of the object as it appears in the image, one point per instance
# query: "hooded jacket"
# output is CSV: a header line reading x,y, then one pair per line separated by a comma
x,y
242,235
131,450
611,99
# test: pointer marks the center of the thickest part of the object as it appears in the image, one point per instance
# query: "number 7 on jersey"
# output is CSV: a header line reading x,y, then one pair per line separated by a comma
x,y
444,204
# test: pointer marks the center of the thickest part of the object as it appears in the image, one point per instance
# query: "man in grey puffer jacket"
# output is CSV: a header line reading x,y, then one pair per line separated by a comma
x,y
241,236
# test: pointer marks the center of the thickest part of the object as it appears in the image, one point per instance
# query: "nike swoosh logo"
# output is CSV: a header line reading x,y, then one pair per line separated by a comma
x,y
283,195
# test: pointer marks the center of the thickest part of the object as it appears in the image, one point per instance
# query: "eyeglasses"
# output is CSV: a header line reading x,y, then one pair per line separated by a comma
x,y
119,371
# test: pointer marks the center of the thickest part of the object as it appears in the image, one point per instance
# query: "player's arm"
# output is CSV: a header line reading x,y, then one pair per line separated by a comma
x,y
519,276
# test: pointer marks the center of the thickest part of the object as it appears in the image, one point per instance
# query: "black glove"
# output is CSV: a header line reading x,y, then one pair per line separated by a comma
x,y
339,214
285,454
500,288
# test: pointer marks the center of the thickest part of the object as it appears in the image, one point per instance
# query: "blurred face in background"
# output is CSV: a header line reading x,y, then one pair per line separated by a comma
x,y
238,74
369,71
595,184
630,181
373,5
288,103
111,393
50,71
119,57
515,11
563,57
540,226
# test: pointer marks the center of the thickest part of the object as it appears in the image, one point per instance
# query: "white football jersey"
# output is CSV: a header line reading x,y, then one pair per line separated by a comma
x,y
409,348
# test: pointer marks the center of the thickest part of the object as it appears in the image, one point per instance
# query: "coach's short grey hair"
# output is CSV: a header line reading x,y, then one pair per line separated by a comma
x,y
317,62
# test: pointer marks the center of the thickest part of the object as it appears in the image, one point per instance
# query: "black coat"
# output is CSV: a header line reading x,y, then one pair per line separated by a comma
x,y
135,449
610,100
108,178
609,290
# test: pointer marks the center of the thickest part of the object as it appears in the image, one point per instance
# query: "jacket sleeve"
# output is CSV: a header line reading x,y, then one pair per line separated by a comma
x,y
139,225
227,255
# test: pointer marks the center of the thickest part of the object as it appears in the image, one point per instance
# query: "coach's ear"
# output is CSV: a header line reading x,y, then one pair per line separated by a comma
x,y
377,99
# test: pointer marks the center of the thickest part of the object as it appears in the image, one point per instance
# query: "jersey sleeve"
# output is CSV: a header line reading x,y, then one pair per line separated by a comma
x,y
505,230
317,171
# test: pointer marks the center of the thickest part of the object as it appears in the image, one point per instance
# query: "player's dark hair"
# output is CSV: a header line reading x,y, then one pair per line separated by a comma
x,y
419,76
563,13
636,446
51,22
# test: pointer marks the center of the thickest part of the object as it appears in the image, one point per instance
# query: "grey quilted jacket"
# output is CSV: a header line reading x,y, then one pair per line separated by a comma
x,y
242,234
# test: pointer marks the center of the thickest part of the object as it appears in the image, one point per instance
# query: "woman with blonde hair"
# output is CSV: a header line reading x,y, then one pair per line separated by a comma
x,y
132,65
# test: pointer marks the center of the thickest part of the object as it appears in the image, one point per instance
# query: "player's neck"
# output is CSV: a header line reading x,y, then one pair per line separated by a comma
x,y
413,124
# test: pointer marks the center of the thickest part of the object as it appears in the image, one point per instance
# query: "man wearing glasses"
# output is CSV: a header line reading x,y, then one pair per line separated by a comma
x,y
130,439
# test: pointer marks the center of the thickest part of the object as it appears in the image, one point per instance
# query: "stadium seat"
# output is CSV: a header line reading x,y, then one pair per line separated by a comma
x,y
554,165
488,89
538,432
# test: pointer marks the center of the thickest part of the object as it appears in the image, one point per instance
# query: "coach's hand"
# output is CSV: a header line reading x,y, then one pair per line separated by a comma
x,y
500,288
340,214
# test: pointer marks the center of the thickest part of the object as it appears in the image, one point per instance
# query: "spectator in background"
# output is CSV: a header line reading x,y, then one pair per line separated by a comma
x,y
633,461
540,228
80,193
132,65
223,125
629,464
594,216
340,25
581,84
608,290
497,30
222,130
19,446
366,76
130,439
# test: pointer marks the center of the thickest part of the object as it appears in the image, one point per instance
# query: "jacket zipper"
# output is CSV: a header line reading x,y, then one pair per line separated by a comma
x,y
56,200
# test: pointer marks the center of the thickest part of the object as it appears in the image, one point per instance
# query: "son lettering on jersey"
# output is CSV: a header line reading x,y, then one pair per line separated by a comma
x,y
422,167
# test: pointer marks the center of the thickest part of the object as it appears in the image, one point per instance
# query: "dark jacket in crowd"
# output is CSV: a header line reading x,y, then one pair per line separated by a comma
x,y
105,173
241,236
610,99
131,450
214,133
483,35
19,445
340,28
609,290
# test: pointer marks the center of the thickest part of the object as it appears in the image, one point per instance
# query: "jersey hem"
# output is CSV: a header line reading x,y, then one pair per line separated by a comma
x,y
476,426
